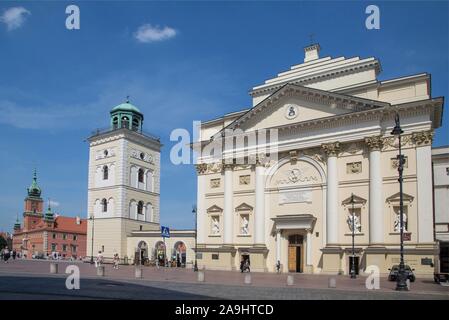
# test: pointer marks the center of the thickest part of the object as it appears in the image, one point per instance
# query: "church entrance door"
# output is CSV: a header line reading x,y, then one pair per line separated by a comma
x,y
295,252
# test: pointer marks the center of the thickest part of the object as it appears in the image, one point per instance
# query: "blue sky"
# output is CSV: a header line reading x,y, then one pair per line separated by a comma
x,y
57,85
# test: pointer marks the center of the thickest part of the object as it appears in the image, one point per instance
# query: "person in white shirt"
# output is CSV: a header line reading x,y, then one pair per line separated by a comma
x,y
99,259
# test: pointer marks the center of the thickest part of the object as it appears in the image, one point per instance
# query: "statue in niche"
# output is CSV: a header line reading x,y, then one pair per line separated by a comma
x,y
357,224
245,223
215,226
397,222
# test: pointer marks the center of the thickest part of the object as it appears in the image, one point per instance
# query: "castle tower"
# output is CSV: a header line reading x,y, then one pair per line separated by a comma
x,y
33,207
124,179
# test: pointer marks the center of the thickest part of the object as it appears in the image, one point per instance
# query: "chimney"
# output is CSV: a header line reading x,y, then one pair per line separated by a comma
x,y
312,52
78,220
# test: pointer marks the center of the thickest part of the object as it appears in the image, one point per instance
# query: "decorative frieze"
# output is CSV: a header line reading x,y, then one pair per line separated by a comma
x,y
106,153
423,138
245,179
374,143
215,183
392,142
331,149
354,167
395,162
143,156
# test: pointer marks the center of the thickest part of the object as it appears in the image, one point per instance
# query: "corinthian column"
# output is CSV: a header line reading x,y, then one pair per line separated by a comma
x,y
331,150
200,210
259,215
228,214
423,141
376,215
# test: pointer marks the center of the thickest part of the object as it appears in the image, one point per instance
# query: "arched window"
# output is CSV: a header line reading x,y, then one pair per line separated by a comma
x,y
140,175
104,205
115,123
105,173
125,122
135,126
140,207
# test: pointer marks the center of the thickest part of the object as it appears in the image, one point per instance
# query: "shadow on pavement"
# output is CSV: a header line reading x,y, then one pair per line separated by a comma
x,y
40,288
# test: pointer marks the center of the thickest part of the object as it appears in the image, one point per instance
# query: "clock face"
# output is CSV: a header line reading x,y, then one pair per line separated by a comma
x,y
291,111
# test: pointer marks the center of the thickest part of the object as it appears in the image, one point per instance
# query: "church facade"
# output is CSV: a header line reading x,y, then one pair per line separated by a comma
x,y
290,180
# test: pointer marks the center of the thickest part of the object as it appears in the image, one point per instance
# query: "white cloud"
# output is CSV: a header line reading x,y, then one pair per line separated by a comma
x,y
14,17
147,33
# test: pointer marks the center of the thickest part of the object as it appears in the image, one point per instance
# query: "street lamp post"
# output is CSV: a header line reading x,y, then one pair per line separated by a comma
x,y
353,275
401,284
92,240
195,267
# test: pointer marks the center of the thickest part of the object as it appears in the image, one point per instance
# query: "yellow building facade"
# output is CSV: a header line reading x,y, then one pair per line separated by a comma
x,y
288,181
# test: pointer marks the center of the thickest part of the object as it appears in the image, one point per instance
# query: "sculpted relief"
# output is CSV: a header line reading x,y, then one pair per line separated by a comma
x,y
301,173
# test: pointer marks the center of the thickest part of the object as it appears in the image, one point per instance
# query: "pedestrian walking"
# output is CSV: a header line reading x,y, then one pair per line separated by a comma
x,y
14,253
6,254
116,261
99,259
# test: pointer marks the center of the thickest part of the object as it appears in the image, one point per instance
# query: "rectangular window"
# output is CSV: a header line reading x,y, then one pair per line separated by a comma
x,y
64,247
215,256
74,249
53,235
64,236
75,237
53,247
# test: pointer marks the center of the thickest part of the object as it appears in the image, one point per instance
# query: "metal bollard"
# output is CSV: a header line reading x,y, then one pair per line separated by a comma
x,y
53,267
408,283
200,277
290,280
138,273
100,271
332,283
247,278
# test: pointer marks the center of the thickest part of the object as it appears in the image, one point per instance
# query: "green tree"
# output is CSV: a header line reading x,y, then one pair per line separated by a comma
x,y
3,243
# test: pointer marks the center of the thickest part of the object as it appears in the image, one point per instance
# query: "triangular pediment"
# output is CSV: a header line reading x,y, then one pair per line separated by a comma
x,y
357,200
244,207
214,208
293,104
396,197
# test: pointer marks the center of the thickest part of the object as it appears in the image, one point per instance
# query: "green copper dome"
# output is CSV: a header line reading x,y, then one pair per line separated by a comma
x,y
17,224
49,214
34,190
126,107
127,116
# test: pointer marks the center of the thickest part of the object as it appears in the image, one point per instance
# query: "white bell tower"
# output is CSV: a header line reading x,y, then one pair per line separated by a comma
x,y
124,182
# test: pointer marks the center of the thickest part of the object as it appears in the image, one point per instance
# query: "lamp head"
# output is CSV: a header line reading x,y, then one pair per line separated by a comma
x,y
397,130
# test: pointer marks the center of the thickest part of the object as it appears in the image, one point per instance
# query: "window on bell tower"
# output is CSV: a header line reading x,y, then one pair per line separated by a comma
x,y
115,123
141,175
135,126
104,205
125,122
140,207
105,173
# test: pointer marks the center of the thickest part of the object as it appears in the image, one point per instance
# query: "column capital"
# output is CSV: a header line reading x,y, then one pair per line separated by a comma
x,y
228,166
201,168
374,143
423,138
331,149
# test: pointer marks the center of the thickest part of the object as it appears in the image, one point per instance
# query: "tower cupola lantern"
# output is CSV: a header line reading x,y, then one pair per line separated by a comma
x,y
127,116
